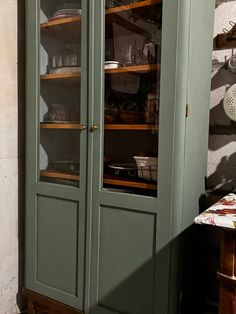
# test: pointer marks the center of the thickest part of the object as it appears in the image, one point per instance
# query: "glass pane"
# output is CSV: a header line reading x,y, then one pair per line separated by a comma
x,y
59,110
132,91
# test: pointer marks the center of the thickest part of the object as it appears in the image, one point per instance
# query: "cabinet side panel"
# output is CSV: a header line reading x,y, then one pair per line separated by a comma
x,y
126,265
198,99
57,229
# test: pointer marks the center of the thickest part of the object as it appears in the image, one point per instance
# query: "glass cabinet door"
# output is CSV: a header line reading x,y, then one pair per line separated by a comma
x,y
131,96
60,91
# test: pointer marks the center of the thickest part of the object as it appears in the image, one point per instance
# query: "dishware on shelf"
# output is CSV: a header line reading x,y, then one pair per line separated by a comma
x,y
65,13
64,69
147,167
65,165
151,107
128,56
59,113
65,61
150,52
109,116
111,65
67,9
131,117
129,168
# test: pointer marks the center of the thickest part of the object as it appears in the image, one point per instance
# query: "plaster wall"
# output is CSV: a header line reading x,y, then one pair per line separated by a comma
x,y
221,153
222,137
8,158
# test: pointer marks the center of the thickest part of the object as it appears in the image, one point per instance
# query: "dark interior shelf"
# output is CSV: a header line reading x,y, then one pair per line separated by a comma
x,y
66,175
67,126
135,183
108,179
131,127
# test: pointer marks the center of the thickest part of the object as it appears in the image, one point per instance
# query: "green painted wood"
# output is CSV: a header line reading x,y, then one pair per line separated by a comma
x,y
57,246
127,254
36,264
115,241
169,204
198,98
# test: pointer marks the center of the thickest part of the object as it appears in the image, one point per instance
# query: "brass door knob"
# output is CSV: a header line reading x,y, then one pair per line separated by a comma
x,y
93,128
82,127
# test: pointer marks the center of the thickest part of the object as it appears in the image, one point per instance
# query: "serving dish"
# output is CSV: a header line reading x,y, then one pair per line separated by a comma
x,y
130,168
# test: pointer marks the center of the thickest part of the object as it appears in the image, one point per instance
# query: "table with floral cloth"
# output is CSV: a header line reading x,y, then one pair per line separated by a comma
x,y
223,214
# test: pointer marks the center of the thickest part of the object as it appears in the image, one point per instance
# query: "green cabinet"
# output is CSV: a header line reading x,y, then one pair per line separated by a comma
x,y
117,96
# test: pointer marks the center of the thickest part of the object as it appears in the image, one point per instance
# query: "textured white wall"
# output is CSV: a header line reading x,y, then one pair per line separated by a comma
x,y
8,158
222,139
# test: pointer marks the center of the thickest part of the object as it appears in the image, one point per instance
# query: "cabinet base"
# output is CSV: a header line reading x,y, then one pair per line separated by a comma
x,y
38,304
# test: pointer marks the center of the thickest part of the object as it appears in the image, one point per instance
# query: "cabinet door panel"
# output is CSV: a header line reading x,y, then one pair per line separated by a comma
x,y
57,244
166,142
55,251
126,260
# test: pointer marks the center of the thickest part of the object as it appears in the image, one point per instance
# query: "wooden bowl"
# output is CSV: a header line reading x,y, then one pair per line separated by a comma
x,y
131,117
109,116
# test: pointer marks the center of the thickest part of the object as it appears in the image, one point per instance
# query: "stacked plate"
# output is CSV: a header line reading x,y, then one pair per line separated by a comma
x,y
64,69
65,13
111,64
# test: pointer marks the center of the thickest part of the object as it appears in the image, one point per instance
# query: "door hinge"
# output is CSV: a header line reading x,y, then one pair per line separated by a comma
x,y
187,111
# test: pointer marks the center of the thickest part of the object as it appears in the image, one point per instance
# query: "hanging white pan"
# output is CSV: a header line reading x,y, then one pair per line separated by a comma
x,y
230,102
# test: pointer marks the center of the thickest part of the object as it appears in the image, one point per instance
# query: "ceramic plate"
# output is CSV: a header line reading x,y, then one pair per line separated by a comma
x,y
230,102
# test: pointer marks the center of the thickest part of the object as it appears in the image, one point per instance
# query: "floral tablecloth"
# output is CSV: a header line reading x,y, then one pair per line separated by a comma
x,y
222,213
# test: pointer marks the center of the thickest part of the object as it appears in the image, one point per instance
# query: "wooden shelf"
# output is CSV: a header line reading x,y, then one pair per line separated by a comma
x,y
65,29
108,179
73,78
58,22
59,76
65,175
132,127
134,68
132,6
68,78
67,126
113,180
222,42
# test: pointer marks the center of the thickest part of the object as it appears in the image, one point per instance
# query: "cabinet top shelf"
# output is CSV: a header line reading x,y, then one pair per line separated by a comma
x,y
77,19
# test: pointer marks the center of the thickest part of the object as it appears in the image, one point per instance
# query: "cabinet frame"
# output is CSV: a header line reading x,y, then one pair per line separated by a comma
x,y
36,188
168,214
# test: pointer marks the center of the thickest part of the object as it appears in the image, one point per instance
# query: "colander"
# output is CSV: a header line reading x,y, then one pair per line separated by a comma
x,y
230,102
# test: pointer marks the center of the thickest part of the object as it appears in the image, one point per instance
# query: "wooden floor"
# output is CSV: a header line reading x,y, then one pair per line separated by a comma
x,y
38,304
